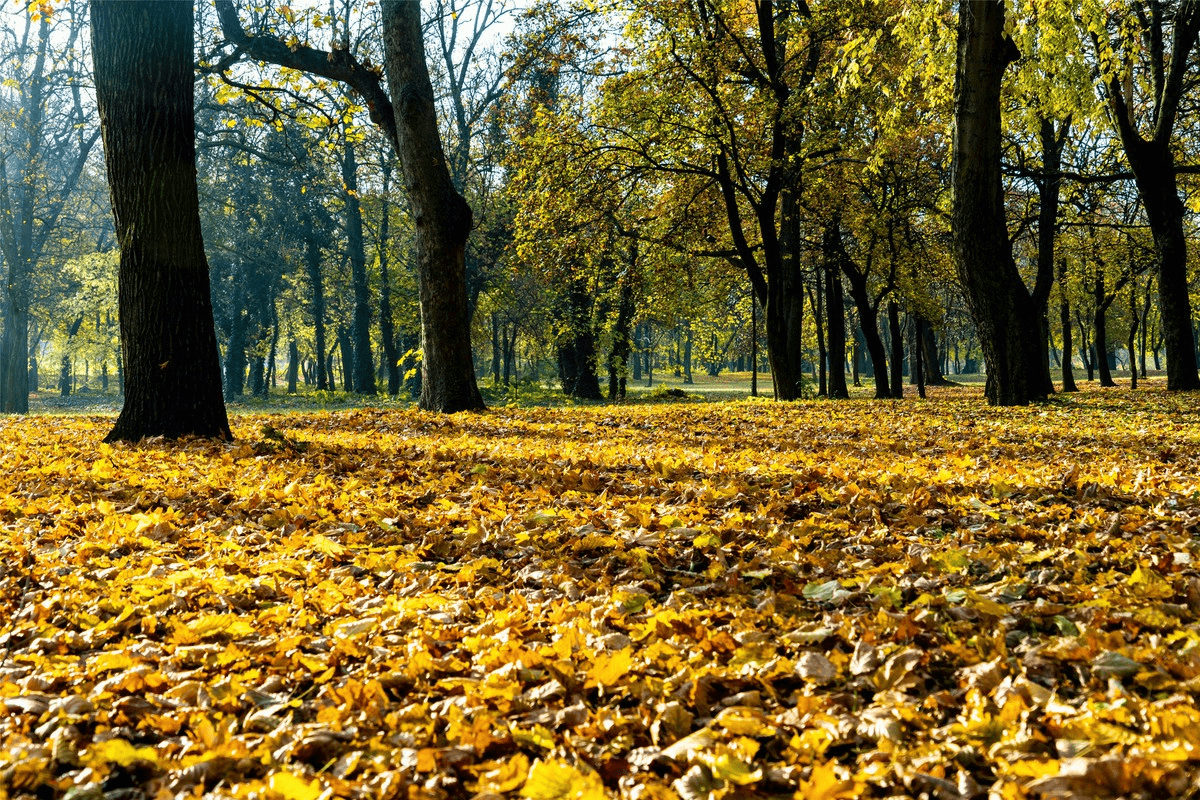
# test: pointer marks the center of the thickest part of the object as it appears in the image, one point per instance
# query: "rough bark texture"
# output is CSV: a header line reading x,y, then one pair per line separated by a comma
x,y
144,73
442,218
1000,305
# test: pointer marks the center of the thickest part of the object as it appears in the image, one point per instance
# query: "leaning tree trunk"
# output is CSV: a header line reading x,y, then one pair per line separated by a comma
x,y
442,219
144,74
1000,305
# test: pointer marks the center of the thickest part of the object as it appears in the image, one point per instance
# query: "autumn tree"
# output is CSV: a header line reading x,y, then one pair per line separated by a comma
x,y
44,149
144,74
443,218
1000,303
1146,55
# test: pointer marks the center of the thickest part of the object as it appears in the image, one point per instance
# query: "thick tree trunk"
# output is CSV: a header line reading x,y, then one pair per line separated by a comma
x,y
1003,311
441,216
1156,181
14,349
364,370
144,76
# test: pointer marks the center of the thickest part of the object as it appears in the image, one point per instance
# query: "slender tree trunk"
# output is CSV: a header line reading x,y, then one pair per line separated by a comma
x,y
897,337
1133,328
1004,313
1145,326
293,367
387,331
818,303
618,357
144,72
869,328
316,284
835,311
754,346
1064,318
1053,141
346,345
1100,326
363,378
442,219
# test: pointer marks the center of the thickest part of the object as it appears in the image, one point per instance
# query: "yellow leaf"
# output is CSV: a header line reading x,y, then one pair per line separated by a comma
x,y
323,544
608,668
824,784
293,787
558,780
121,752
734,770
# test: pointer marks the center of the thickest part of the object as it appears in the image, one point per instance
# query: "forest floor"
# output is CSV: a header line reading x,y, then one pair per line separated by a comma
x,y
929,598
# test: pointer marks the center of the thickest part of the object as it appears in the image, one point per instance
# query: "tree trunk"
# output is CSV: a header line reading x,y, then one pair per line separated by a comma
x,y
618,357
897,337
363,379
1133,328
1153,165
818,303
293,367
144,74
387,330
441,217
835,311
316,284
1001,306
346,345
1100,336
1053,142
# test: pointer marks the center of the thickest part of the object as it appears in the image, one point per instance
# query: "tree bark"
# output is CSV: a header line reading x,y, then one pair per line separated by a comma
x,y
1153,164
1064,318
441,217
1100,331
835,311
144,75
387,331
1001,306
364,369
897,361
316,285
